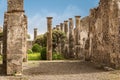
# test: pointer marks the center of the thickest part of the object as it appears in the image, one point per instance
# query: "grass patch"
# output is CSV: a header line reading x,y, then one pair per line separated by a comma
x,y
34,56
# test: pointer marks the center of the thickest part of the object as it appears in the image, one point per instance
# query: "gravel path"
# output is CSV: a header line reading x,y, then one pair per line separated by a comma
x,y
63,70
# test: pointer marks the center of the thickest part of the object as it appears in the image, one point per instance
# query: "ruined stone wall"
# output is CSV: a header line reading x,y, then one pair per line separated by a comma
x,y
104,30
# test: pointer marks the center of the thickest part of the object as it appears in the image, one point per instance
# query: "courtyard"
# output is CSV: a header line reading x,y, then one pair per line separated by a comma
x,y
63,70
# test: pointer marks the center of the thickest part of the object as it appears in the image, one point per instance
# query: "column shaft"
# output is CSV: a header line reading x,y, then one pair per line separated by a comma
x,y
49,38
71,39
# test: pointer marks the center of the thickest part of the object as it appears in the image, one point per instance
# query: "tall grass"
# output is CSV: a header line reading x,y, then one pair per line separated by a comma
x,y
0,58
34,56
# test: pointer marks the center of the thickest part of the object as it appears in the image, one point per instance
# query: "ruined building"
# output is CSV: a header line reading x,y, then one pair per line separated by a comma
x,y
97,35
103,42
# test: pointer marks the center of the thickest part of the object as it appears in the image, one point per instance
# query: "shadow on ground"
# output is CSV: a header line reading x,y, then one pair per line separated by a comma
x,y
59,68
1,70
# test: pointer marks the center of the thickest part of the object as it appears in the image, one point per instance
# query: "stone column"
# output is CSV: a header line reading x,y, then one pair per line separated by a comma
x,y
77,36
58,44
35,33
58,27
62,42
61,26
49,38
66,47
1,44
66,27
71,38
24,42
14,37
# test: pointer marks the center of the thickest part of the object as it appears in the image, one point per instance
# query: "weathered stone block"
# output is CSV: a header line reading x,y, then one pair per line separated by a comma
x,y
15,5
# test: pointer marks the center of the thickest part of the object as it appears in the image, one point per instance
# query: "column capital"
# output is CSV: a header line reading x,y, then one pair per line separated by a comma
x,y
77,16
49,17
35,28
70,18
66,21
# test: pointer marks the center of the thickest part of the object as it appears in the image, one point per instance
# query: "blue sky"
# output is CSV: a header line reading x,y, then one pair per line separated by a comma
x,y
60,10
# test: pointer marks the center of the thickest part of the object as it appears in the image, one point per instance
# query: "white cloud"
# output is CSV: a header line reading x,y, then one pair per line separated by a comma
x,y
39,20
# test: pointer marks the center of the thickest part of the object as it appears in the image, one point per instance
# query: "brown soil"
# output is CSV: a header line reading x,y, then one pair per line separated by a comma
x,y
62,70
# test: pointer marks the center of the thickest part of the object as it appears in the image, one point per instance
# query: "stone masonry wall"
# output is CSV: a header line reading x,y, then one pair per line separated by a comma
x,y
105,26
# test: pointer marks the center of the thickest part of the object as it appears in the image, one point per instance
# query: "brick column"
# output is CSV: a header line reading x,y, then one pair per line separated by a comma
x,y
24,42
14,37
61,26
71,38
61,42
77,36
66,27
58,27
1,45
66,47
49,38
35,33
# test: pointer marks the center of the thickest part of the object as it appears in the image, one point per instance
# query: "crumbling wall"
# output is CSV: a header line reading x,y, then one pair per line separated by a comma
x,y
104,27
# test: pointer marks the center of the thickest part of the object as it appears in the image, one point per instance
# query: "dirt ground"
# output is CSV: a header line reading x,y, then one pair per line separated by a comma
x,y
62,70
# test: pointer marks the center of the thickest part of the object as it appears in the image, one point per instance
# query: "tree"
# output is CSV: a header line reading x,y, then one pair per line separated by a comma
x,y
36,48
41,40
58,37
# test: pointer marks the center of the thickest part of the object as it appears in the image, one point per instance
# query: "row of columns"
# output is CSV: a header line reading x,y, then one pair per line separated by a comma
x,y
72,43
71,47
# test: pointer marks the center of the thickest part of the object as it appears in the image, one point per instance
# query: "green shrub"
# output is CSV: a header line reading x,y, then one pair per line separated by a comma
x,y
34,56
57,56
43,53
29,51
36,48
54,56
60,57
